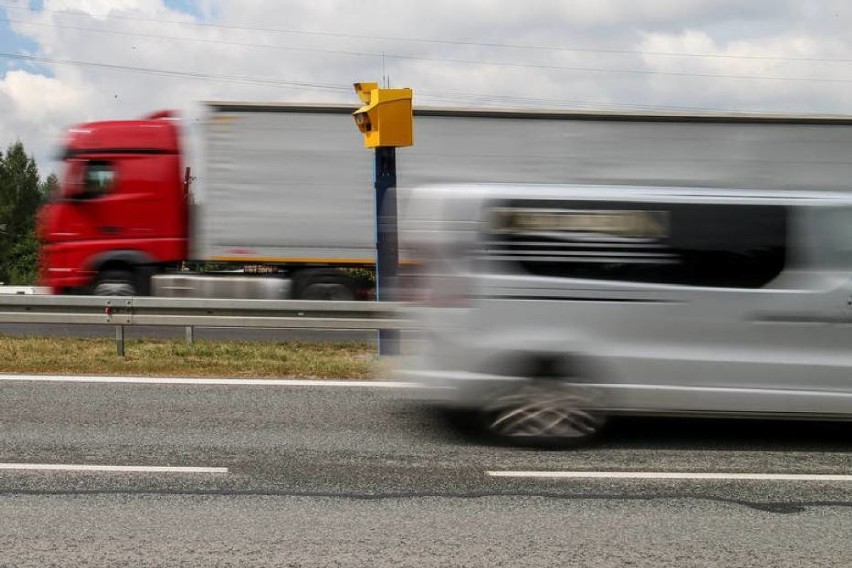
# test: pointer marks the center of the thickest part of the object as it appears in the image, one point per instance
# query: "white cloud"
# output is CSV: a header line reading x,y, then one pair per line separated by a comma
x,y
791,72
102,8
37,98
312,50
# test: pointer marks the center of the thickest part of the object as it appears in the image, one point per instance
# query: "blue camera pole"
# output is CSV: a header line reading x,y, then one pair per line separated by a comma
x,y
387,243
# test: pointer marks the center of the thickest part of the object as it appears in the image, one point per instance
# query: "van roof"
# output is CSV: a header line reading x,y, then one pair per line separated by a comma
x,y
639,193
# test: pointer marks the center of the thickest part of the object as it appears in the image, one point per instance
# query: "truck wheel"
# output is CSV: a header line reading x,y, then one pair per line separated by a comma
x,y
336,291
115,283
325,284
544,412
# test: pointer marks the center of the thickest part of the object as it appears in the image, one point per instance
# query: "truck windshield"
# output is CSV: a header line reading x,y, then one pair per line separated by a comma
x,y
86,179
71,172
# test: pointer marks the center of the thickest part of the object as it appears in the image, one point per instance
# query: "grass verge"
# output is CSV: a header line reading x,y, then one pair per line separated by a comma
x,y
159,358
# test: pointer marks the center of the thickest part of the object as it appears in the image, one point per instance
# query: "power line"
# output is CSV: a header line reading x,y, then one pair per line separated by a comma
x,y
194,39
538,102
378,55
445,41
479,98
172,73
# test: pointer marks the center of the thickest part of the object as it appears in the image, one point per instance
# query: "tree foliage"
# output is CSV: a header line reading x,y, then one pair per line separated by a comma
x,y
21,193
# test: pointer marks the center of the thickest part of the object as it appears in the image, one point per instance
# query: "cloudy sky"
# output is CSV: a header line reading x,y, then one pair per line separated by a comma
x,y
67,61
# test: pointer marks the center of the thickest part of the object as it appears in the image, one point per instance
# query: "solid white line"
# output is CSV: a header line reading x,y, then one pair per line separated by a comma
x,y
111,468
205,381
669,475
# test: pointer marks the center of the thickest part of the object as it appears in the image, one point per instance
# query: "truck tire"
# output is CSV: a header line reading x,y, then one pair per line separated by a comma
x,y
325,284
115,283
336,291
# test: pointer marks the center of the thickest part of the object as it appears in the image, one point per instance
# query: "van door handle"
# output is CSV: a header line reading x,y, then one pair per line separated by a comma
x,y
109,229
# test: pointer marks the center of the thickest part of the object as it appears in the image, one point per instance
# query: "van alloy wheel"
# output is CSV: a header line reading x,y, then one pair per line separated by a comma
x,y
544,412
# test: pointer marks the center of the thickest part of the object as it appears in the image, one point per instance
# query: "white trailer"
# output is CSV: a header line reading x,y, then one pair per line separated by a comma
x,y
291,185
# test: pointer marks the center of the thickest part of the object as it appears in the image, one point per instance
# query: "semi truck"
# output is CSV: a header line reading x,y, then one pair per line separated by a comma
x,y
284,206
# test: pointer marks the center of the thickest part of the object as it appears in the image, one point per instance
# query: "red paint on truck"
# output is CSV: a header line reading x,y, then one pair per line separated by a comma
x,y
122,196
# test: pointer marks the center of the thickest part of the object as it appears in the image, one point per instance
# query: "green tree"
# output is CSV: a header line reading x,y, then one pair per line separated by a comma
x,y
21,194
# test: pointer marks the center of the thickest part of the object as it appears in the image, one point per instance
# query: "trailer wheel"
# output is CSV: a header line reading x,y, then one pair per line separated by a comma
x,y
337,291
325,284
115,283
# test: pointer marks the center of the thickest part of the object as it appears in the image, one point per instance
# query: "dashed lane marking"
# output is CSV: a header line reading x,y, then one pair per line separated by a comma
x,y
109,468
660,475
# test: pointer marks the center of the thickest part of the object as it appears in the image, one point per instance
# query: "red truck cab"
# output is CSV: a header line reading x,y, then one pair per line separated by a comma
x,y
121,212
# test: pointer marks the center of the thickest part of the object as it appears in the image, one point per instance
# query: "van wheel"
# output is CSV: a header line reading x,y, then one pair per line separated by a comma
x,y
115,283
544,413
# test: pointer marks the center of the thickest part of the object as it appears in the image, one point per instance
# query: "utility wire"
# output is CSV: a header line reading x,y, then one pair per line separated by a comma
x,y
537,102
172,73
440,41
378,55
478,98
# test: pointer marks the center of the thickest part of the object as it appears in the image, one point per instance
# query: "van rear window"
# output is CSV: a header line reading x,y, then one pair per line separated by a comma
x,y
719,245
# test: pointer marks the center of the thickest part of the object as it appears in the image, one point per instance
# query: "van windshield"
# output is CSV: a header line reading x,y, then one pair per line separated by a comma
x,y
833,230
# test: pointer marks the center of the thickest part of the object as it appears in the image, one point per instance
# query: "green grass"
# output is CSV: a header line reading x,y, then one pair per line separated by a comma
x,y
158,358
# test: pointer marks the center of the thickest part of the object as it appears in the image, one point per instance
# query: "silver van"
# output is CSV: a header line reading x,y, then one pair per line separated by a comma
x,y
548,308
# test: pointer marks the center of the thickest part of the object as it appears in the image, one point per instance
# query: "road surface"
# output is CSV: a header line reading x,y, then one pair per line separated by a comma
x,y
351,474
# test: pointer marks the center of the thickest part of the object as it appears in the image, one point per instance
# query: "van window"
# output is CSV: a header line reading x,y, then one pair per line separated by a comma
x,y
700,244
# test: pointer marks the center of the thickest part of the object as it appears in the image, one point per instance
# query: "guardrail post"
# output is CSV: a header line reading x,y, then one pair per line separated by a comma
x,y
190,335
119,340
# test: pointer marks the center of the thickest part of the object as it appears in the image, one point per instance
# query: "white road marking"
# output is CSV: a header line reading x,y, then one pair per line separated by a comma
x,y
206,381
669,475
111,468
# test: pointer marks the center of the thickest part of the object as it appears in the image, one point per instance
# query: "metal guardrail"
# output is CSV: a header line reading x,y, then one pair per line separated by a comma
x,y
198,312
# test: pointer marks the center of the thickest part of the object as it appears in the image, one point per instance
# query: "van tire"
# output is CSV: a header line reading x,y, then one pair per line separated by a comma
x,y
545,413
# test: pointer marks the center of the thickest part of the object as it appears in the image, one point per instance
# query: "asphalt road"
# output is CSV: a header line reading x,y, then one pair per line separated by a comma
x,y
334,475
